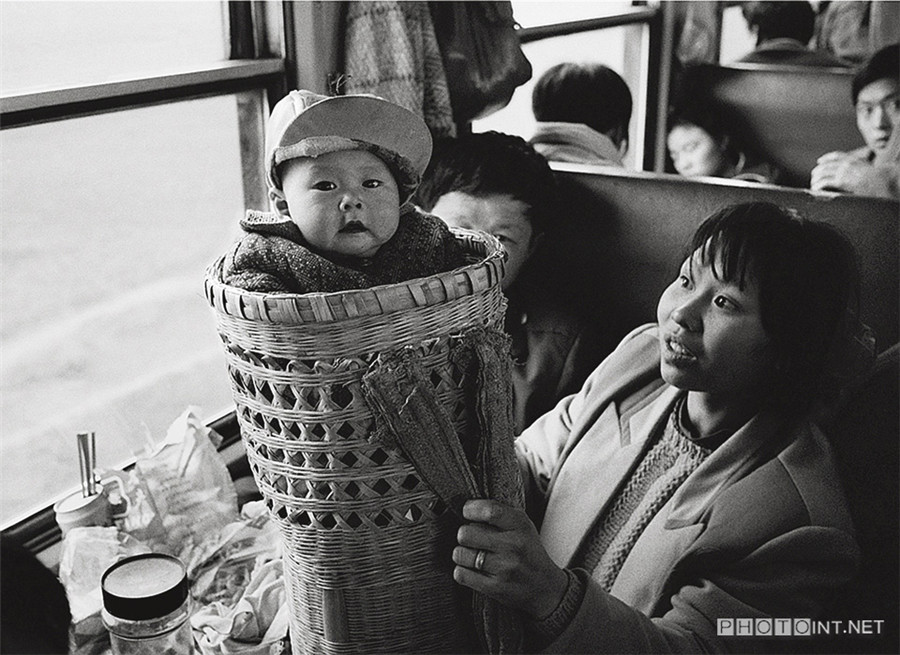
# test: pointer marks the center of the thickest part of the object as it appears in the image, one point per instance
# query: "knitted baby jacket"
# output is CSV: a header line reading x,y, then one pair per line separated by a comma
x,y
273,256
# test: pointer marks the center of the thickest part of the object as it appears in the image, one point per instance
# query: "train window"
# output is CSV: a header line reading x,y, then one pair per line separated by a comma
x,y
63,43
108,223
736,40
535,14
131,146
622,48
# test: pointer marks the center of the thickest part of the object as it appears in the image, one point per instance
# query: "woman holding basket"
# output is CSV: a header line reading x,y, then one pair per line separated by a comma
x,y
683,488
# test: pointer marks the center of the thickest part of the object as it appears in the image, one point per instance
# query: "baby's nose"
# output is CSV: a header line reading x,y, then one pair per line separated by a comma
x,y
349,202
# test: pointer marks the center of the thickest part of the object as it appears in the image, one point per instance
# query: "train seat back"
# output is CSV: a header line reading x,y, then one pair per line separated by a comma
x,y
790,115
620,237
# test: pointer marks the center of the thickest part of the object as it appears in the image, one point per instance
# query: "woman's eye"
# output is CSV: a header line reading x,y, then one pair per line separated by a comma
x,y
324,185
724,303
373,184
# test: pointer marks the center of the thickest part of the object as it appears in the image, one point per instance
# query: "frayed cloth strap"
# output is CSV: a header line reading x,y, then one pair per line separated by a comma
x,y
408,414
483,354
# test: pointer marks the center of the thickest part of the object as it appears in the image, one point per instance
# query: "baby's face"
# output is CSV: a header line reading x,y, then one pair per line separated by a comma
x,y
345,203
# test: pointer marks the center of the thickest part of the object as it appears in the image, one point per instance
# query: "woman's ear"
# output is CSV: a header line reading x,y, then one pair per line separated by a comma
x,y
278,202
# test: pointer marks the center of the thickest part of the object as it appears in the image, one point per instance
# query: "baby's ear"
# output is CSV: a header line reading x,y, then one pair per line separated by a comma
x,y
278,202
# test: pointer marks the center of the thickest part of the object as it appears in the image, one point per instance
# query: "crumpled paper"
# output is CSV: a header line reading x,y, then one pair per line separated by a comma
x,y
240,595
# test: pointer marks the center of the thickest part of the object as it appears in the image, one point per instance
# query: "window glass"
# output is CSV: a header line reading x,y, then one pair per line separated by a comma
x,y
64,43
736,40
107,225
533,13
616,47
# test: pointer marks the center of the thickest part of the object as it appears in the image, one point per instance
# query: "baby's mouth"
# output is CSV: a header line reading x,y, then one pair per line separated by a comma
x,y
353,227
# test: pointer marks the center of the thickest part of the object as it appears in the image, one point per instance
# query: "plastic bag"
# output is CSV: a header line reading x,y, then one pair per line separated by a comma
x,y
87,553
483,59
181,493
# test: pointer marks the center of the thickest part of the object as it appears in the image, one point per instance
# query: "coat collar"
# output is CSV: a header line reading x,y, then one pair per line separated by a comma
x,y
742,452
574,506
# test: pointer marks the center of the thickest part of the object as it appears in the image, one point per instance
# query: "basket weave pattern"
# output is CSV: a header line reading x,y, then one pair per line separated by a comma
x,y
366,542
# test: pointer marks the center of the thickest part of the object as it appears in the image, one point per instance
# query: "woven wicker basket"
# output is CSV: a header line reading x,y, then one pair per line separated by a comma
x,y
366,542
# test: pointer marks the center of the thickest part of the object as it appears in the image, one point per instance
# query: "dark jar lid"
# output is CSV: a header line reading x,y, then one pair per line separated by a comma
x,y
147,586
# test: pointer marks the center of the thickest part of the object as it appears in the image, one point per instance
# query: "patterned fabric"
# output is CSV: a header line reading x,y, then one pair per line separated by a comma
x,y
666,465
391,51
273,256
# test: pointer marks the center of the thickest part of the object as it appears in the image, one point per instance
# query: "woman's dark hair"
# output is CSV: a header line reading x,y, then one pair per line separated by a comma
x,y
588,93
883,64
808,279
776,20
486,164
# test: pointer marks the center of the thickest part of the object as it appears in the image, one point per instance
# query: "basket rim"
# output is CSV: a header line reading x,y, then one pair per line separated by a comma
x,y
320,303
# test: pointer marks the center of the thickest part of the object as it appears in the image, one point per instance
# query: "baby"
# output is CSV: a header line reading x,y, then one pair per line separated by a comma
x,y
340,171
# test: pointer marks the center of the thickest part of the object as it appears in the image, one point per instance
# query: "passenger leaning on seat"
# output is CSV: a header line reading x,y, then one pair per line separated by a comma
x,y
700,146
874,169
582,112
683,487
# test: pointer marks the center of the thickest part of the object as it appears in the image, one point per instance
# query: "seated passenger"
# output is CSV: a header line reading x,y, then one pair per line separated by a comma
x,y
582,113
497,183
700,147
783,31
683,487
873,169
340,170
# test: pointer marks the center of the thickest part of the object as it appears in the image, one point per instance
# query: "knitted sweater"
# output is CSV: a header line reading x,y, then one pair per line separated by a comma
x,y
273,256
664,467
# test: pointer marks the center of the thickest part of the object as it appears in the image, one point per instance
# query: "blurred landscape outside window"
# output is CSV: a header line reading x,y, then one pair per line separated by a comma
x,y
107,223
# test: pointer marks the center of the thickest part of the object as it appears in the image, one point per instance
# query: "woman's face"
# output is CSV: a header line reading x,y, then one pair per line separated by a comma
x,y
501,215
711,337
695,153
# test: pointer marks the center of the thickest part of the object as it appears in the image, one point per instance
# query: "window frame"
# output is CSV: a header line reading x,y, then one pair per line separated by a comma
x,y
256,69
660,21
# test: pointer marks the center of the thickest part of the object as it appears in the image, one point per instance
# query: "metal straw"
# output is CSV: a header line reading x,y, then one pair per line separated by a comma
x,y
87,458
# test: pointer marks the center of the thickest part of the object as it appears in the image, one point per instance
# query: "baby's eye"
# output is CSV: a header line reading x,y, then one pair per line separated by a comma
x,y
502,238
324,185
373,184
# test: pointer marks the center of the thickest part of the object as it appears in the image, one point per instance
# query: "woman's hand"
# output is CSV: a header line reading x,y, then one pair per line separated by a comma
x,y
500,555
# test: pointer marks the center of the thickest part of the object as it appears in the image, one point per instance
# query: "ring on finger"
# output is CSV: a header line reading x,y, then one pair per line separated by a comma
x,y
479,560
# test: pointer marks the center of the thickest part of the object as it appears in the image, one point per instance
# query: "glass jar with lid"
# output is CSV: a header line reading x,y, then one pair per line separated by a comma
x,y
146,606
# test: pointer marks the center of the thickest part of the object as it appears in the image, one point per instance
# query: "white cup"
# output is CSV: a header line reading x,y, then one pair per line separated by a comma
x,y
77,511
